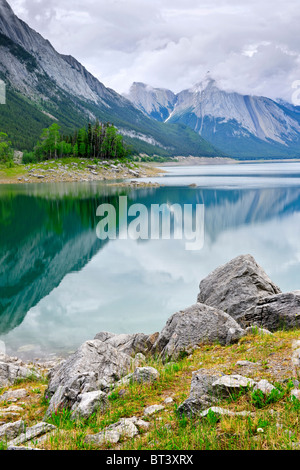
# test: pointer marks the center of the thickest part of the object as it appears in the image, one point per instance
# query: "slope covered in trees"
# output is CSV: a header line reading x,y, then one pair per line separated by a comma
x,y
101,141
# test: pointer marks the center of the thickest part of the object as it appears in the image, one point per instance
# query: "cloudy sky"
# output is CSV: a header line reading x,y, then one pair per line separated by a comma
x,y
249,46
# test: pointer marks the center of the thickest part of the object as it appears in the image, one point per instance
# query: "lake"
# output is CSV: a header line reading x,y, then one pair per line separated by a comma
x,y
60,284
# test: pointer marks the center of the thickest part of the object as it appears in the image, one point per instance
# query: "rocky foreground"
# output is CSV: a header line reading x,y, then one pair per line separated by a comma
x,y
78,171
234,300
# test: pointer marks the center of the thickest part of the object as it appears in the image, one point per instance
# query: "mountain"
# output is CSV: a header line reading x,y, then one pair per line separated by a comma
x,y
44,86
157,103
241,126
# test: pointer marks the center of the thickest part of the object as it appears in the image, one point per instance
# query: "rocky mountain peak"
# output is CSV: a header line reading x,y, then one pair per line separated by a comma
x,y
206,84
158,103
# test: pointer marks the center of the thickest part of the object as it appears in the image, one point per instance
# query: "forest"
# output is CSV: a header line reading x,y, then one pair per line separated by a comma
x,y
98,141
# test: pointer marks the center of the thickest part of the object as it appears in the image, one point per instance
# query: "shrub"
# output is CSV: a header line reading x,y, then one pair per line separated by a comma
x,y
29,157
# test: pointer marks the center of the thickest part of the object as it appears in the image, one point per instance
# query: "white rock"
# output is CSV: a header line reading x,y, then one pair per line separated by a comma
x,y
150,410
223,412
89,403
168,401
295,393
230,383
264,386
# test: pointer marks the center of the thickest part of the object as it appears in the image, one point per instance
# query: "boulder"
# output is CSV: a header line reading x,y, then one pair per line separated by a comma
x,y
201,393
22,448
196,325
10,431
246,364
236,286
228,384
145,374
139,359
12,370
123,429
35,431
130,344
153,409
295,393
274,312
103,437
264,386
168,401
89,403
94,366
14,395
193,406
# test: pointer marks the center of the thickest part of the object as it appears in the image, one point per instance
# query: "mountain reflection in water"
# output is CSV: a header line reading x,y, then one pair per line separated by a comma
x,y
60,285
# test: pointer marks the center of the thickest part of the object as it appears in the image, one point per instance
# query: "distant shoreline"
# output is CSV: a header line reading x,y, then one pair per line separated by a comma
x,y
126,175
198,161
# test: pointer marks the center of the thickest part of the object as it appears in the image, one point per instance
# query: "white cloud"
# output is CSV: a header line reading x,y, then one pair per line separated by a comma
x,y
252,47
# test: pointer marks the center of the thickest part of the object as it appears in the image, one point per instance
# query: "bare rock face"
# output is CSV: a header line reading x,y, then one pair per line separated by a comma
x,y
274,312
130,344
196,325
94,366
236,286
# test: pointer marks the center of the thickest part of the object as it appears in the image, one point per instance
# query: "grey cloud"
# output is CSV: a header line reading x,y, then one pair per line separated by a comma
x,y
252,47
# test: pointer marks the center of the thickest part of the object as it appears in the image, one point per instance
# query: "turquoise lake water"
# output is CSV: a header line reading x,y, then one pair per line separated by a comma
x,y
60,285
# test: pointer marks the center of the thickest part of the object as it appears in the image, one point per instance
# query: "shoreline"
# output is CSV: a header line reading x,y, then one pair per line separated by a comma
x,y
77,171
70,170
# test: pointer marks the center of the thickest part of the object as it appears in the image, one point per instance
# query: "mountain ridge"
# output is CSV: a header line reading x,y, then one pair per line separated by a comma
x,y
54,87
237,124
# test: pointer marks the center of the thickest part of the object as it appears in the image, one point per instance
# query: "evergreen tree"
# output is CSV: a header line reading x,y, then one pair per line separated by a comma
x,y
6,152
96,141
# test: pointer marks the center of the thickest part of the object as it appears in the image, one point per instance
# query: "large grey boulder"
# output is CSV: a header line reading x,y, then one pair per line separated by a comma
x,y
130,344
274,312
236,286
201,393
94,366
196,325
